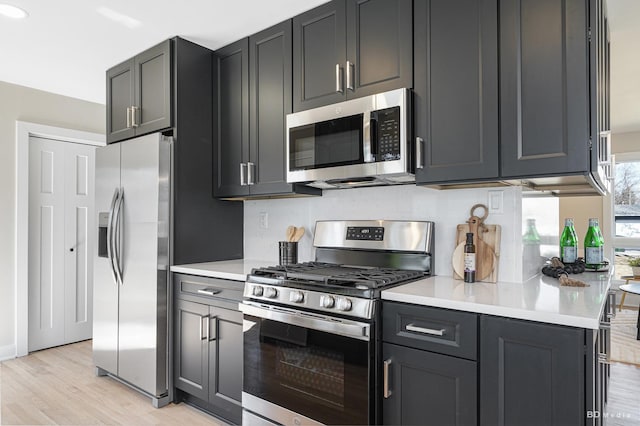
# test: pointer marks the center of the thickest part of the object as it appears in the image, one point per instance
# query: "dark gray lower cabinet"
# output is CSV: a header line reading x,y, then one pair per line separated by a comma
x,y
208,346
430,370
531,373
429,388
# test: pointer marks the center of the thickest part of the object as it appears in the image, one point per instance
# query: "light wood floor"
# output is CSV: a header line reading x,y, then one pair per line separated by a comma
x,y
58,387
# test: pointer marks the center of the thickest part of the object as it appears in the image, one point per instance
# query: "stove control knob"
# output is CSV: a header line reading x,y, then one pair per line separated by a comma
x,y
270,292
327,301
344,304
296,296
257,290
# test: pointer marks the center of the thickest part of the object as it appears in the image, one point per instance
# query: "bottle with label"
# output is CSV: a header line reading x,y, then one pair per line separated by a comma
x,y
469,259
593,245
568,242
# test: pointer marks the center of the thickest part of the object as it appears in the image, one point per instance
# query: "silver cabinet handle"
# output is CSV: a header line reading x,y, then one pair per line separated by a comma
x,y
204,327
612,305
212,330
350,75
243,174
129,124
134,116
419,159
339,88
251,168
209,291
433,332
386,393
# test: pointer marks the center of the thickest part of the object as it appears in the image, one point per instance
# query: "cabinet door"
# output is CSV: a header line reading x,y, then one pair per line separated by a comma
x,y
456,89
379,46
120,98
270,100
544,111
232,118
225,362
531,373
319,56
429,388
191,348
153,89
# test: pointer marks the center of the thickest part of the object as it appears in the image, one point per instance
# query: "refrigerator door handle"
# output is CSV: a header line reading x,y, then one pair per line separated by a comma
x,y
110,248
116,236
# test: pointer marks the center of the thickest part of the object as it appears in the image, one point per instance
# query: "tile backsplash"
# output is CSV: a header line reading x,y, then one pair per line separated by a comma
x,y
446,208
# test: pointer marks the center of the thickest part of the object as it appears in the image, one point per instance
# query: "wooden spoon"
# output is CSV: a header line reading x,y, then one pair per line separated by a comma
x,y
290,232
298,234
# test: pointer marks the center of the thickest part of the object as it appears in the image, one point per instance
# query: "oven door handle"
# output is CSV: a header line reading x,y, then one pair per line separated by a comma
x,y
342,327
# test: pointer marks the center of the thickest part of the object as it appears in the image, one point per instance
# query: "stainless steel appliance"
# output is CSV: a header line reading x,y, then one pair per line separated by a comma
x,y
360,142
131,268
312,346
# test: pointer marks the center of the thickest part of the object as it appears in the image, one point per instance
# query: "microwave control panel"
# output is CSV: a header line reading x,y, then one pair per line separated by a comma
x,y
371,233
387,133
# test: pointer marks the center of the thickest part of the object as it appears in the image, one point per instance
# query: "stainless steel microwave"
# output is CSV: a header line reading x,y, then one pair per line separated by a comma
x,y
360,142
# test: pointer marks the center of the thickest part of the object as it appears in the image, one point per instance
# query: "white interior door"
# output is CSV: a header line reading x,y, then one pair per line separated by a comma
x,y
61,182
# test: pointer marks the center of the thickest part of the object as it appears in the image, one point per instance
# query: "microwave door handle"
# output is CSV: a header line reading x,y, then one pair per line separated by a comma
x,y
367,150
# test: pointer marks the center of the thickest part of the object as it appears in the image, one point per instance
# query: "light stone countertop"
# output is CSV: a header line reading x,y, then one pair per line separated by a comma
x,y
235,270
538,299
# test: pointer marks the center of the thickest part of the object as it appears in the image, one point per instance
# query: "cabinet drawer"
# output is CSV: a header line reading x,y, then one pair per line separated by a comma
x,y
208,290
432,329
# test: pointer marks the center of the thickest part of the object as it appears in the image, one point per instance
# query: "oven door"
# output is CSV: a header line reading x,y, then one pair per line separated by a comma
x,y
301,367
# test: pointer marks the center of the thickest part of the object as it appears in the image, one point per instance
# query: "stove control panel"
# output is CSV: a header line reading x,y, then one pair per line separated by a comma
x,y
370,233
308,299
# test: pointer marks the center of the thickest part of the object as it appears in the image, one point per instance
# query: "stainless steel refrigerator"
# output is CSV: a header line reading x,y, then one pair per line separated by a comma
x,y
131,268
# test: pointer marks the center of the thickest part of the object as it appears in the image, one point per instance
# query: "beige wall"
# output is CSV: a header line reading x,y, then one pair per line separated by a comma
x,y
35,106
582,208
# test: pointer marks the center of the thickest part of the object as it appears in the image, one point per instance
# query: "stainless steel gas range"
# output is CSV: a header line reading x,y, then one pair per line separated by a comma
x,y
312,349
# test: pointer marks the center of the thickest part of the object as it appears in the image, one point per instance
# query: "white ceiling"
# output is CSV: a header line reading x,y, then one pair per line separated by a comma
x,y
65,46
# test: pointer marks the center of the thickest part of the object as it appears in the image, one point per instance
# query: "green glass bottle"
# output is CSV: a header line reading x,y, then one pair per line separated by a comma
x,y
568,243
531,235
593,245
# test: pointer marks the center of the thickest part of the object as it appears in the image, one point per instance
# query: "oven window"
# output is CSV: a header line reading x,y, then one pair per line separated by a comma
x,y
319,375
329,143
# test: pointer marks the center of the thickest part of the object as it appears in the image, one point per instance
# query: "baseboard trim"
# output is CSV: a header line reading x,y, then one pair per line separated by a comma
x,y
7,352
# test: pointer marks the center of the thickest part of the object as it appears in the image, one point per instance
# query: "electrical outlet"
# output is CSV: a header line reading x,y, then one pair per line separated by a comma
x,y
263,220
496,202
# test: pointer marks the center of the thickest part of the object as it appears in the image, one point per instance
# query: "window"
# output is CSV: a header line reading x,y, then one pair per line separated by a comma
x,y
626,211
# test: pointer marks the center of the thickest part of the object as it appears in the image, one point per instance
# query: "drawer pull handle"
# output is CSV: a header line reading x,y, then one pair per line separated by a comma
x,y
411,327
209,291
387,391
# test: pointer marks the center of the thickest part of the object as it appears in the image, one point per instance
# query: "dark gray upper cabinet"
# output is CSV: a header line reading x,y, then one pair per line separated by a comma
x,y
270,95
120,98
254,97
544,87
319,56
531,373
456,90
351,48
139,94
232,119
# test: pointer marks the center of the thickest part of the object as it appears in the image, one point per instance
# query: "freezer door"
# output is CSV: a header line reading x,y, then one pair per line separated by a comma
x,y
105,286
144,254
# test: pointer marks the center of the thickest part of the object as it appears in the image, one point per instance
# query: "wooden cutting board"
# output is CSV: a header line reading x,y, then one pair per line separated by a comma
x,y
487,254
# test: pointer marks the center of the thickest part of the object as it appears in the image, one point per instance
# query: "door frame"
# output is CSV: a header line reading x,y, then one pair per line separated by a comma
x,y
24,130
